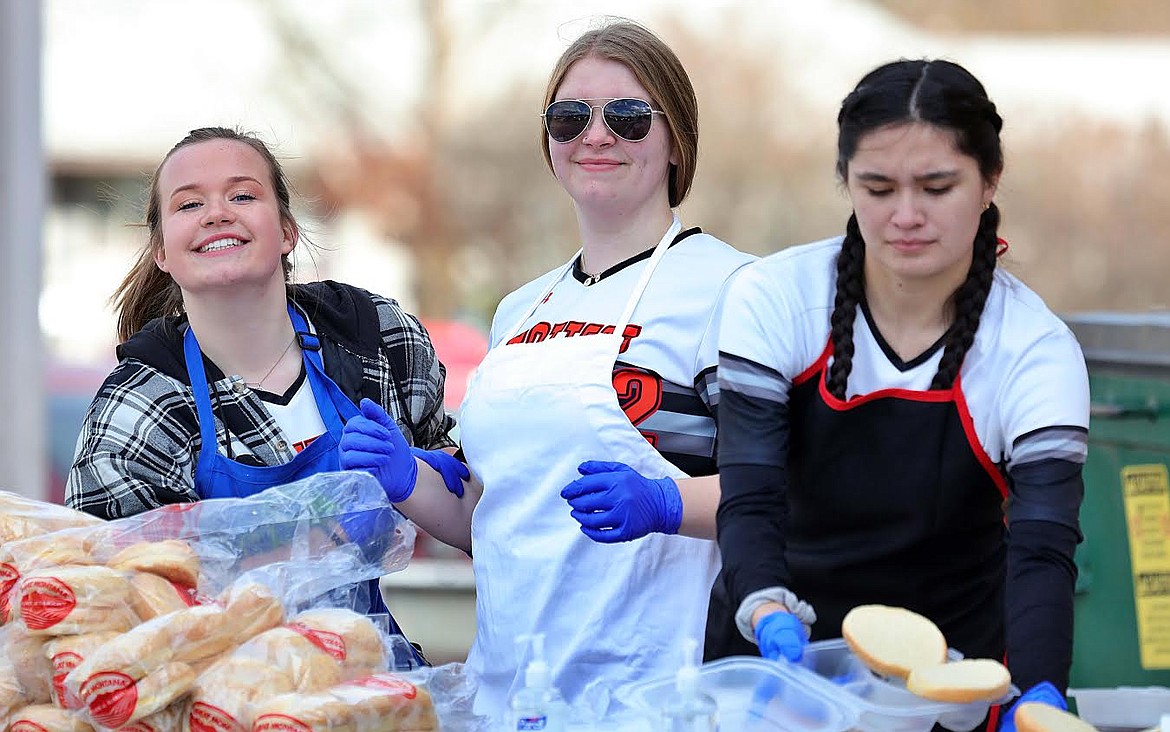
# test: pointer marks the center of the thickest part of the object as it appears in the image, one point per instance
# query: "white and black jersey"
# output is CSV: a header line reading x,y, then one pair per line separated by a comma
x,y
665,373
898,493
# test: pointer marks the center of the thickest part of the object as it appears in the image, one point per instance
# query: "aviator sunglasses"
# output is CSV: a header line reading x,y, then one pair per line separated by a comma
x,y
629,119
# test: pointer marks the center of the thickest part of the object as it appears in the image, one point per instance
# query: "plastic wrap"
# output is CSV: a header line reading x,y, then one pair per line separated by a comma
x,y
215,541
117,620
313,651
65,654
24,518
12,695
74,600
145,670
370,704
46,718
26,652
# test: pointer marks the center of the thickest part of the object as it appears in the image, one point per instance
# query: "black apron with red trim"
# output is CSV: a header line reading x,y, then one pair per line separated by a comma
x,y
892,500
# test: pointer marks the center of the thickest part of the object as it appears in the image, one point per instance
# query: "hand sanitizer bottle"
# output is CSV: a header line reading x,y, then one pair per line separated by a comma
x,y
688,709
537,706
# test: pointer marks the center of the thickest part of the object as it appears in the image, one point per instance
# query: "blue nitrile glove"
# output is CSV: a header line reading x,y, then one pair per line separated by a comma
x,y
447,465
372,442
1044,693
372,530
613,502
781,635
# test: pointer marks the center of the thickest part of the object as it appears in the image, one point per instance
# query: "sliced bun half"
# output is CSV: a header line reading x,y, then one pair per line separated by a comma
x,y
892,641
961,682
1036,717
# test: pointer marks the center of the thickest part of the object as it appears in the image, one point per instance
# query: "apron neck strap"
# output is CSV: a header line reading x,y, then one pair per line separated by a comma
x,y
632,302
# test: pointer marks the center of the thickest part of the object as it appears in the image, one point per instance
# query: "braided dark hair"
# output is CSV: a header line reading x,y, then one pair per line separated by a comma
x,y
850,290
968,300
947,96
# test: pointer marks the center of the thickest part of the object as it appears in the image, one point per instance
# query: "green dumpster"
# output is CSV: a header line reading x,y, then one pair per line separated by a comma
x,y
1122,627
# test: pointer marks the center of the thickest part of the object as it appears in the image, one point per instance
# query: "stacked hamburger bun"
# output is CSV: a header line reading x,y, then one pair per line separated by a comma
x,y
59,599
143,671
370,704
899,643
314,651
1036,717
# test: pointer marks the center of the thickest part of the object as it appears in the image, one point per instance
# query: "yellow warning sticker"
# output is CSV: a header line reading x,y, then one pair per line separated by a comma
x,y
1146,489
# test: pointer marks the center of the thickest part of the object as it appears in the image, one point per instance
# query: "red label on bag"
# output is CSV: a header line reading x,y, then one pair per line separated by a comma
x,y
279,723
206,718
9,576
23,725
331,643
392,684
186,594
111,696
63,663
45,601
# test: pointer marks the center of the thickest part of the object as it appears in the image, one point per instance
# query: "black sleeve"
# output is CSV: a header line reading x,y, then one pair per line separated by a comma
x,y
753,510
1043,533
1041,576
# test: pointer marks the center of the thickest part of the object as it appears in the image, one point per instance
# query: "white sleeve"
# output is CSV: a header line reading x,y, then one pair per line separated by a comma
x,y
758,325
1048,386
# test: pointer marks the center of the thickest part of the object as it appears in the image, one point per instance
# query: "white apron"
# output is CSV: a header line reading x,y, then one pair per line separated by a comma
x,y
611,614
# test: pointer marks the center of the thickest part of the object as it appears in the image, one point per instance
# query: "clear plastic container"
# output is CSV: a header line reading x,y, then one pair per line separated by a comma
x,y
884,705
753,694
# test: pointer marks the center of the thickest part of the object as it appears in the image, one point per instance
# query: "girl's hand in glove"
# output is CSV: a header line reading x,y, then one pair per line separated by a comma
x,y
613,502
1044,693
781,635
454,472
372,442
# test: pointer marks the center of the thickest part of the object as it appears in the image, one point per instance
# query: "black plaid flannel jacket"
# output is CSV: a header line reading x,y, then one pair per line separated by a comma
x,y
140,443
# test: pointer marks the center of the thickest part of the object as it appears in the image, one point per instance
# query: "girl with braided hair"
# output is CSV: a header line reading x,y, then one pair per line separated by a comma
x,y
902,422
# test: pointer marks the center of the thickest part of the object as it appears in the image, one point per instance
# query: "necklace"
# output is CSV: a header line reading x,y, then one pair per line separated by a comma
x,y
257,384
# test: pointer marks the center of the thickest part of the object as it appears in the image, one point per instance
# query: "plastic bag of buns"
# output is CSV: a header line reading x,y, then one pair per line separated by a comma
x,y
141,672
21,517
12,695
64,654
83,548
46,718
169,719
313,651
25,518
75,600
31,667
369,704
209,544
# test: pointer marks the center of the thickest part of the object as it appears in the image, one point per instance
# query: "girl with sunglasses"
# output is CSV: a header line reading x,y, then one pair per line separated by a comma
x,y
901,421
591,420
232,380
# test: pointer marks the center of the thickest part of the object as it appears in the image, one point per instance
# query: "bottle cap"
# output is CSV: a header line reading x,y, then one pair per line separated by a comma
x,y
537,674
686,681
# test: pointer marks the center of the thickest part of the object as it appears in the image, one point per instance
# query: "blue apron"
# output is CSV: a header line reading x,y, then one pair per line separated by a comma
x,y
218,476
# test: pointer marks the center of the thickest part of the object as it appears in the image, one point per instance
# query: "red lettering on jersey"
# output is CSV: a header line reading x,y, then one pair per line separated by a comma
x,y
573,327
543,331
538,332
639,394
629,334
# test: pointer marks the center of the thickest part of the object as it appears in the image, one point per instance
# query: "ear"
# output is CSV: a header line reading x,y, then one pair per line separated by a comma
x,y
160,258
290,235
989,189
674,156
